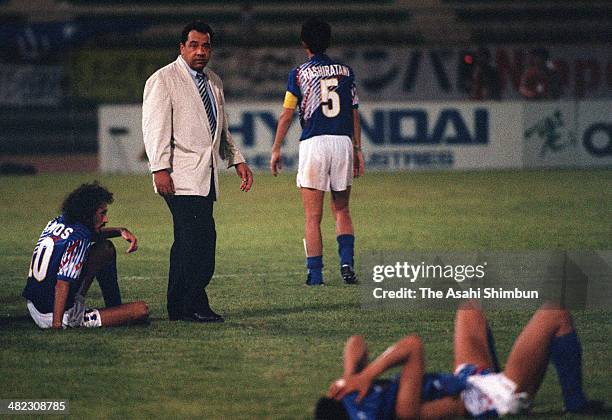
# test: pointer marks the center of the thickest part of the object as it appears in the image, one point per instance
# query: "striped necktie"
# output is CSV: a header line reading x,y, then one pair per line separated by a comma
x,y
208,104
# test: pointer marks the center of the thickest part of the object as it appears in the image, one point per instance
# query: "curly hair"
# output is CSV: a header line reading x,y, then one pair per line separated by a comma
x,y
81,204
316,34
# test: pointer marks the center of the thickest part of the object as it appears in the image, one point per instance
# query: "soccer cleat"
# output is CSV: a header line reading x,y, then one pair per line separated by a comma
x,y
311,282
348,275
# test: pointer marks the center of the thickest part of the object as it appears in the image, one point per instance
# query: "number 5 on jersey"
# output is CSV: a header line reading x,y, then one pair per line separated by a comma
x,y
330,98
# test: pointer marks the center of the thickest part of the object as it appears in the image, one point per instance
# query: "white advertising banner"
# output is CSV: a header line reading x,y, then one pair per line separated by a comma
x,y
567,134
400,135
406,136
453,135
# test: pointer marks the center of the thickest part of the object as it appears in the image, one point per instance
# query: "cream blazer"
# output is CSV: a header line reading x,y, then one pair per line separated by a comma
x,y
176,131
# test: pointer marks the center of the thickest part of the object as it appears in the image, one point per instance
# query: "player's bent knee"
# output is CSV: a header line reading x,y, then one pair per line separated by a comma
x,y
414,342
356,340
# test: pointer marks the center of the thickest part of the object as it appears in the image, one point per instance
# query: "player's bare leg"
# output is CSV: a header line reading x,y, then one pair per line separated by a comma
x,y
355,355
313,209
344,234
550,334
470,341
128,313
528,358
340,210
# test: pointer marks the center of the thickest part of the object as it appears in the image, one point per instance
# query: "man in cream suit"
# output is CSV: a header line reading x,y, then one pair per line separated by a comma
x,y
185,130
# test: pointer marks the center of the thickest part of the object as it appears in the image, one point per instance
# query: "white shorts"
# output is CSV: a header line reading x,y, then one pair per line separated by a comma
x,y
326,163
77,316
493,393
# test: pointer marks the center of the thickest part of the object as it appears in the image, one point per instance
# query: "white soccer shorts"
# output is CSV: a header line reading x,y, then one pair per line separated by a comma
x,y
326,163
493,391
77,316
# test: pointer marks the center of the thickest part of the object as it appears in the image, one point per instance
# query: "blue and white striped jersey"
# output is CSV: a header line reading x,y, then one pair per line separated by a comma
x,y
326,93
60,253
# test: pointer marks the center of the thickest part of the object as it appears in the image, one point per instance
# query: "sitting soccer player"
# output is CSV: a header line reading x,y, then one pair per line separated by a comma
x,y
477,388
73,249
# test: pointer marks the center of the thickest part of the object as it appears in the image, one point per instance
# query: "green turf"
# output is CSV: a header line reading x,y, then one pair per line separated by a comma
x,y
281,344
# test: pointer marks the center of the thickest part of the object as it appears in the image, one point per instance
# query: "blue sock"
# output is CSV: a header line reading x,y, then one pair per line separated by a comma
x,y
566,355
346,249
107,279
315,269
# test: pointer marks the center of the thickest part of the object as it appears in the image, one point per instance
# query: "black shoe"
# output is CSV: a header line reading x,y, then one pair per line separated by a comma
x,y
207,317
348,275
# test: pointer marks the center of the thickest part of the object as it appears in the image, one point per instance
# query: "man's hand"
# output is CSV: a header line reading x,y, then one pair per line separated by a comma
x,y
163,182
359,382
358,164
275,161
131,238
244,172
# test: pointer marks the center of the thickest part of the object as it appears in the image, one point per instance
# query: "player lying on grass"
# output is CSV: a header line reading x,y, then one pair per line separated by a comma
x,y
73,249
477,388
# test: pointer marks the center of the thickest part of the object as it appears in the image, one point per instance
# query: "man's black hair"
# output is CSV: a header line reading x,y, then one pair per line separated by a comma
x,y
81,204
316,34
198,26
330,409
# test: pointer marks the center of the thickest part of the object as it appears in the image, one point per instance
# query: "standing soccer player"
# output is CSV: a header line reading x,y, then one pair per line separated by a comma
x,y
330,145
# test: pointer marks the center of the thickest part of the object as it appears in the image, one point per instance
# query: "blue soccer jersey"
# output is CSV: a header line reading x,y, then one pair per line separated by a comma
x,y
379,403
60,253
326,93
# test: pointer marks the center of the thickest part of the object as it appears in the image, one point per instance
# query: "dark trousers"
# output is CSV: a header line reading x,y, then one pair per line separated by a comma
x,y
192,257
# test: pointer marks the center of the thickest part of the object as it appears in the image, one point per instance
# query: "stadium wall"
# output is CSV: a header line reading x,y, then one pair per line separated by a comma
x,y
407,136
383,73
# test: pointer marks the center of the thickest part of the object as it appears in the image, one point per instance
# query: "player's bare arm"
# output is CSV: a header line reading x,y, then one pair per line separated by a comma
x,y
358,163
393,356
59,305
284,123
114,232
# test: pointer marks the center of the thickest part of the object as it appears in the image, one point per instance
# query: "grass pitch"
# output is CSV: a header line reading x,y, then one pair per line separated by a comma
x,y
282,341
